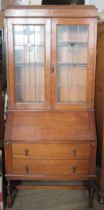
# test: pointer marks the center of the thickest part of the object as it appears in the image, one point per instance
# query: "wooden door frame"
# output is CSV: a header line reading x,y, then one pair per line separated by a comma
x,y
9,23
91,22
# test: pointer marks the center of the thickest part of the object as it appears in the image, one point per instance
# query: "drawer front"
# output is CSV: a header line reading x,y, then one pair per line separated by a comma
x,y
51,151
50,167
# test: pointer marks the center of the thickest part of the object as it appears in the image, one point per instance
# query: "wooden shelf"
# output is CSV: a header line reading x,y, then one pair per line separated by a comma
x,y
27,64
71,43
32,45
81,65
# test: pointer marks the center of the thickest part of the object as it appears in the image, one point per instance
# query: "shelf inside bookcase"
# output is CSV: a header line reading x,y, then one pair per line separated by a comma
x,y
29,45
71,43
81,65
30,63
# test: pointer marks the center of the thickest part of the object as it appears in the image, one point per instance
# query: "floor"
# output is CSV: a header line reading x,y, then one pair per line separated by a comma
x,y
53,200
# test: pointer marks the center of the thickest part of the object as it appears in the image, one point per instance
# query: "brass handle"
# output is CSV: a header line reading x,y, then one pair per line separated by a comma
x,y
74,169
52,68
74,152
27,169
26,152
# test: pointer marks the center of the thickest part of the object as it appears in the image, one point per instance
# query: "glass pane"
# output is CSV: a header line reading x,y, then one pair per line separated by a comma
x,y
72,59
29,47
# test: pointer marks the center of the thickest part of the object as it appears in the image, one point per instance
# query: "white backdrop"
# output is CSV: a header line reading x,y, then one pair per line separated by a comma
x,y
34,1
99,3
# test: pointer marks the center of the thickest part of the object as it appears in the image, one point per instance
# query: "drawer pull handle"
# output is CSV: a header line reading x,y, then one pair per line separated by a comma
x,y
26,152
74,169
52,68
27,169
74,153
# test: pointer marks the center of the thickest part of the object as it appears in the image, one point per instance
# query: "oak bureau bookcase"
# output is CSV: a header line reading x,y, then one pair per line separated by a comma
x,y
50,129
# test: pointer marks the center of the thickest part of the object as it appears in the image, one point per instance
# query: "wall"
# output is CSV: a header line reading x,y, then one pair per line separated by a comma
x,y
36,1
32,1
99,4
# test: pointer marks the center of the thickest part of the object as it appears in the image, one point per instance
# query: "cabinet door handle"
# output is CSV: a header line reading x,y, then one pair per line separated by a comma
x,y
52,68
74,169
26,152
27,169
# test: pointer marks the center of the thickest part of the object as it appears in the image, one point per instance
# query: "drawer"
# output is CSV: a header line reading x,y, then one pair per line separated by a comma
x,y
50,167
51,151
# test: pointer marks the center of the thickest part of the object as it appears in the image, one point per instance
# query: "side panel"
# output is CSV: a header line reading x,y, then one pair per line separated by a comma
x,y
8,158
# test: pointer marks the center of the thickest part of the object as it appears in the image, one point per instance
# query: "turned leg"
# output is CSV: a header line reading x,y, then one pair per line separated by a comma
x,y
101,197
91,190
9,198
11,193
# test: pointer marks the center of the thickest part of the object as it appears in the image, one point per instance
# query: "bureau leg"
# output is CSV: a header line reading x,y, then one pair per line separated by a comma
x,y
91,190
11,193
9,199
101,197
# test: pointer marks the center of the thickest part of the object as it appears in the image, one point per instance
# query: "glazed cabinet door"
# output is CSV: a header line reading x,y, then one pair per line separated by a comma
x,y
28,59
73,58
